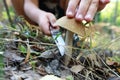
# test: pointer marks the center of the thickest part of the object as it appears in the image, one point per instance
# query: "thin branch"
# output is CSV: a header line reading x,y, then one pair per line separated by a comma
x,y
8,13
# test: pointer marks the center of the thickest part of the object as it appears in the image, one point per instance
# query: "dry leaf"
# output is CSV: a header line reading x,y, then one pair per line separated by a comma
x,y
109,61
71,25
41,70
93,59
118,69
77,68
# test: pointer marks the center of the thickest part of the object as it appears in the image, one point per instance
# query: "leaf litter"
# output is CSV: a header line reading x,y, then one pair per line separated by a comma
x,y
39,58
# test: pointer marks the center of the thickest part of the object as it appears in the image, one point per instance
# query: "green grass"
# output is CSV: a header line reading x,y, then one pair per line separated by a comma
x,y
1,68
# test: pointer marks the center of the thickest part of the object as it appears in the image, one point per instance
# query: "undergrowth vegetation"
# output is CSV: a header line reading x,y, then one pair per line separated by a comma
x,y
26,50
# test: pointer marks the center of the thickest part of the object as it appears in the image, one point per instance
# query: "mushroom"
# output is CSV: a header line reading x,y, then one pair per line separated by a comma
x,y
72,26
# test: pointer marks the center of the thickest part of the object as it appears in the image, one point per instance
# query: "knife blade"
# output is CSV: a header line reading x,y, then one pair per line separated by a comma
x,y
56,34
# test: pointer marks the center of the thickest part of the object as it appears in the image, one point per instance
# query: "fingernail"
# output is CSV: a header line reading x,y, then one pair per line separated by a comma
x,y
54,25
105,1
88,17
102,1
69,13
80,17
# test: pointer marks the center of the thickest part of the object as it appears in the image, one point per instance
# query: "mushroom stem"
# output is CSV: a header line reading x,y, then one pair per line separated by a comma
x,y
69,44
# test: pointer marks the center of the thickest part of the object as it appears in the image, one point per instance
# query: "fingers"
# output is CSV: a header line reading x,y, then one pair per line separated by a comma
x,y
85,9
82,9
72,6
92,10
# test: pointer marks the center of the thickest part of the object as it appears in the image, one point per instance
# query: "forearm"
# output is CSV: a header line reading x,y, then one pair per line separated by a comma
x,y
32,10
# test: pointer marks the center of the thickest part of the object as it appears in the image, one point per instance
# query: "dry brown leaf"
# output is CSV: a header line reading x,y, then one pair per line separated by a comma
x,y
93,59
41,71
118,69
71,25
77,68
50,77
109,61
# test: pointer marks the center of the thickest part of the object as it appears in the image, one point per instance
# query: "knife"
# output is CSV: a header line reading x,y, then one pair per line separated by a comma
x,y
57,36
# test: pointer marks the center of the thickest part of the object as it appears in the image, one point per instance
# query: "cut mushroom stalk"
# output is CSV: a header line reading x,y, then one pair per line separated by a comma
x,y
69,43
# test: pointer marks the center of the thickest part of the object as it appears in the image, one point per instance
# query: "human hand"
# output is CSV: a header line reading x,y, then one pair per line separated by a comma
x,y
47,20
85,9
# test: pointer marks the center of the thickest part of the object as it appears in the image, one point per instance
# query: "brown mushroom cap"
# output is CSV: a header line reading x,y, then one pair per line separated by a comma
x,y
71,25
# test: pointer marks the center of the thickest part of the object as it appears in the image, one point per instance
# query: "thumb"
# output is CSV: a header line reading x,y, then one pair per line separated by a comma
x,y
51,18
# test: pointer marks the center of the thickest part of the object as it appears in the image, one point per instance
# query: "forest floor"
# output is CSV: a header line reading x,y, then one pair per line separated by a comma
x,y
28,54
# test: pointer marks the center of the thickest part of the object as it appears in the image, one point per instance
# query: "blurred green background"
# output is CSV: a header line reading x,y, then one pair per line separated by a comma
x,y
111,13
